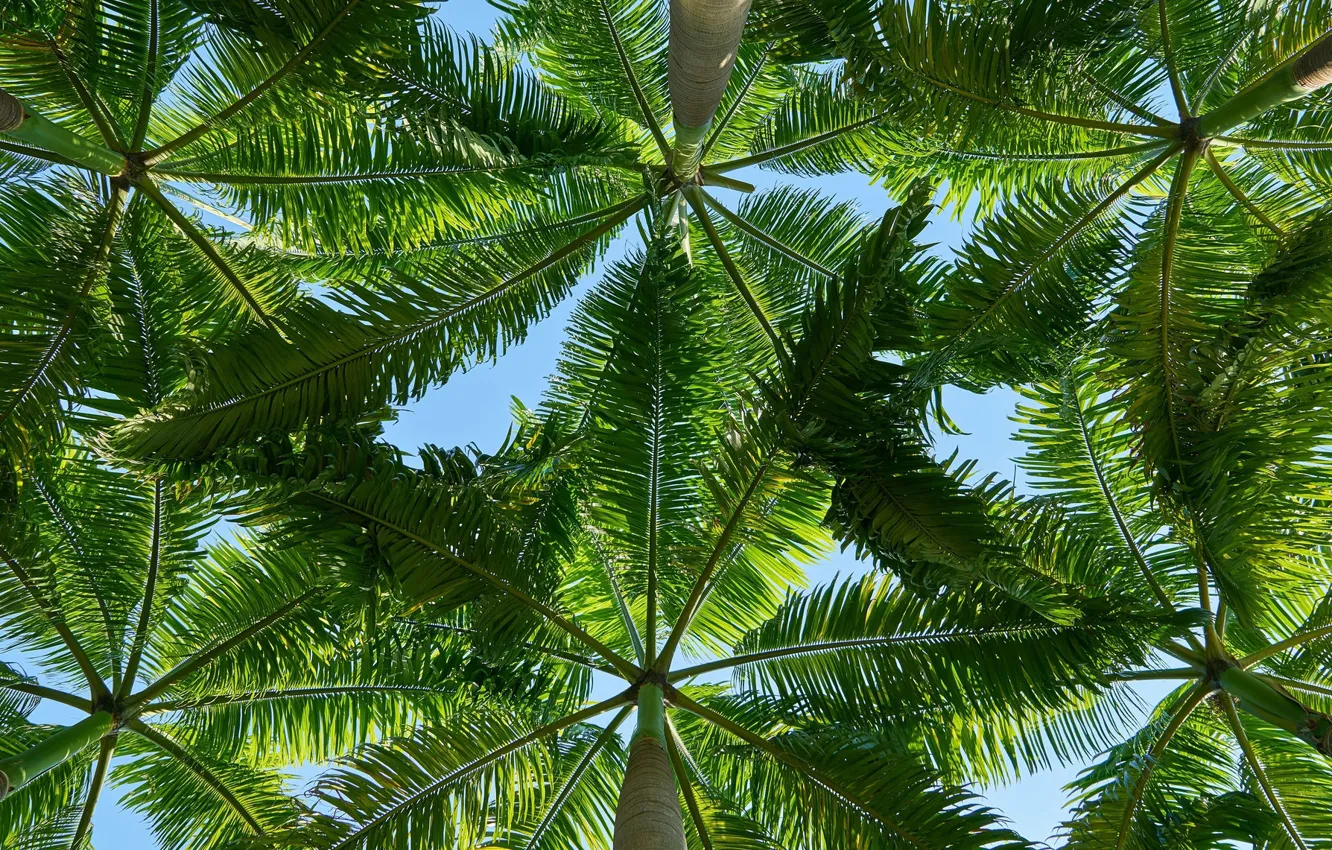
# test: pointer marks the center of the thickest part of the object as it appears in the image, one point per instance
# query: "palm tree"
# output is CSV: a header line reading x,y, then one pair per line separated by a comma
x,y
1186,441
1047,119
642,531
121,122
210,667
587,146
1239,749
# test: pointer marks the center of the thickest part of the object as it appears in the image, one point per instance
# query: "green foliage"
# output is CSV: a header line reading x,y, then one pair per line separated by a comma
x,y
735,397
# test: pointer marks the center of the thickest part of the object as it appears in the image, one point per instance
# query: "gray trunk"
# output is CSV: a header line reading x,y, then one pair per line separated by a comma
x,y
1313,70
647,816
705,36
11,112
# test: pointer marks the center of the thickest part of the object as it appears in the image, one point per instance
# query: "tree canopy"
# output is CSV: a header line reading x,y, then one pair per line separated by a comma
x,y
237,237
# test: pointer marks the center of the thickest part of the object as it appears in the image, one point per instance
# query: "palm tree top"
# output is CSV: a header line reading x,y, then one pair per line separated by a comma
x,y
163,643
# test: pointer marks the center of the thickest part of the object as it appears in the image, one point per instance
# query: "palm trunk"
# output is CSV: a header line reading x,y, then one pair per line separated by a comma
x,y
26,125
1310,71
17,771
648,814
705,36
1279,708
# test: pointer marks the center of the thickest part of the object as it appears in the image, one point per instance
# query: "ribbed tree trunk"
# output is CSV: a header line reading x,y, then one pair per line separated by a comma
x,y
11,112
705,36
21,123
17,771
1310,72
648,816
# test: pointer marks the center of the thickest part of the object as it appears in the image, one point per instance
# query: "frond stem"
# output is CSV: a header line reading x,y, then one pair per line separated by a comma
x,y
1260,773
635,203
935,361
1178,715
330,179
801,767
44,692
620,605
149,76
796,146
1183,653
820,647
1210,83
199,769
1057,156
1275,144
626,669
648,117
1168,132
53,616
203,206
1120,100
115,211
1179,187
590,663
158,154
577,774
105,128
210,700
205,657
1084,430
480,762
686,787
1152,675
149,593
655,425
1168,53
696,593
209,250
764,237
1238,194
1281,646
108,750
625,211
691,194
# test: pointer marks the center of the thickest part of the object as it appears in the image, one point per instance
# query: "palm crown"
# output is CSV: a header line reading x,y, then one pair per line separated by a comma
x,y
211,668
1238,751
1049,114
1157,303
644,524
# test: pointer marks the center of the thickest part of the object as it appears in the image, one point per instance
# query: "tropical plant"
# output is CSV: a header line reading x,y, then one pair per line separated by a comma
x,y
119,120
211,667
587,145
1174,319
1100,144
1240,750
647,524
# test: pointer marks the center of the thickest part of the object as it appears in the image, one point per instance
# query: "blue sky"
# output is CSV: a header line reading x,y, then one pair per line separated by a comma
x,y
474,408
